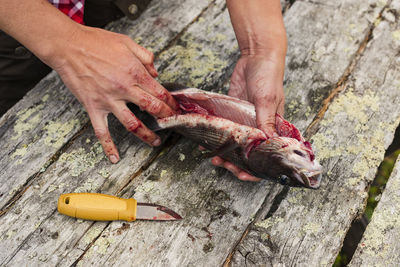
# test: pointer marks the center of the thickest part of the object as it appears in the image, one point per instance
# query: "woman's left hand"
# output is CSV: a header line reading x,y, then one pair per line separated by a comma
x,y
257,78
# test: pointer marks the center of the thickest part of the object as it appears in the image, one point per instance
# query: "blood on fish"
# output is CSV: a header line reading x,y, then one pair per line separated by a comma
x,y
287,129
253,145
309,150
212,130
193,108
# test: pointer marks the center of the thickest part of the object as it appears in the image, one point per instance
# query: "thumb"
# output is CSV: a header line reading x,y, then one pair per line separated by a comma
x,y
265,117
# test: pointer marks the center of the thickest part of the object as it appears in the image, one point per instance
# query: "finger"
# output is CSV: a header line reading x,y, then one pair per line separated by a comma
x,y
265,115
244,176
135,126
149,103
217,161
157,90
152,70
100,126
232,168
239,173
144,55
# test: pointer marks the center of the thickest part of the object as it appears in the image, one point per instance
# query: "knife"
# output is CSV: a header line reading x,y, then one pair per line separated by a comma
x,y
101,207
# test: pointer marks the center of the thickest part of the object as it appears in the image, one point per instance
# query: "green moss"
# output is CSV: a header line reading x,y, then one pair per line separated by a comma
x,y
81,161
27,120
20,152
374,194
104,172
379,184
195,62
57,131
92,233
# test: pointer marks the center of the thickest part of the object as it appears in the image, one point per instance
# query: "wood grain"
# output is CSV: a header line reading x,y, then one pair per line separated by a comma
x,y
380,243
308,227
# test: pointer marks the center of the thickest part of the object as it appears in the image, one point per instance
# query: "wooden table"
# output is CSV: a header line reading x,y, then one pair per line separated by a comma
x,y
342,88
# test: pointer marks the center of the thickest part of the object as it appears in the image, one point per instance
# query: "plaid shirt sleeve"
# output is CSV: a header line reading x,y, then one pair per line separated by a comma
x,y
72,8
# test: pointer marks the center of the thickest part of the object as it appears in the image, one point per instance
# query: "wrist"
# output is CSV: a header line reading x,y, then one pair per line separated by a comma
x,y
273,45
55,52
44,30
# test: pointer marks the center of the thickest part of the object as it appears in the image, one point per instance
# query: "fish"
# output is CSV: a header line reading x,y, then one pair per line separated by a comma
x,y
227,126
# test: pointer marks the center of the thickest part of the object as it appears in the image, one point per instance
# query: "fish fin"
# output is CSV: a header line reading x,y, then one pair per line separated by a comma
x,y
145,117
171,87
224,148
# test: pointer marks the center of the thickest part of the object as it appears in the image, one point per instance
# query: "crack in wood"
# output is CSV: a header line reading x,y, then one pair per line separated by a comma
x,y
77,242
89,245
313,126
5,262
341,84
261,213
164,148
174,40
350,252
298,247
18,194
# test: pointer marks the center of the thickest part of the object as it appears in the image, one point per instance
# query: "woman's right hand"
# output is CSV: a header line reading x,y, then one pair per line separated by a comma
x,y
105,71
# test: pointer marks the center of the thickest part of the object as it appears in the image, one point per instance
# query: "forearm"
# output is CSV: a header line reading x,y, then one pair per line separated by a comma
x,y
37,25
258,26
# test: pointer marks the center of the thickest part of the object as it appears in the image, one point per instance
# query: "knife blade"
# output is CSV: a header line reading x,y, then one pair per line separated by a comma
x,y
101,207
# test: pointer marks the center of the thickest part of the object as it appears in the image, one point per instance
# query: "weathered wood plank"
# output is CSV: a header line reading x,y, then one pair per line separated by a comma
x,y
82,168
216,208
172,190
175,243
33,131
224,202
48,116
323,37
308,227
80,160
380,244
86,158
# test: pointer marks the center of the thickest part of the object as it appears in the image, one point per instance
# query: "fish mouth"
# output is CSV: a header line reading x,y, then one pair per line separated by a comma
x,y
311,179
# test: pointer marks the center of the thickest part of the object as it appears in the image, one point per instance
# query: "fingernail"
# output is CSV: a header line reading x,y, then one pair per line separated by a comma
x,y
113,159
156,142
242,176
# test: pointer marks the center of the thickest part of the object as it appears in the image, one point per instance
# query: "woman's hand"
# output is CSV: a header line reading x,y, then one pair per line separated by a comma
x,y
258,75
257,79
105,71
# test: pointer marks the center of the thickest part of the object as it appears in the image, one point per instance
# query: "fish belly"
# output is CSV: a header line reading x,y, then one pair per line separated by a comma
x,y
214,132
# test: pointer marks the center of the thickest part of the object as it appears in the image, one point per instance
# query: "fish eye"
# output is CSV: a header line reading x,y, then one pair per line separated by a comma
x,y
283,179
301,154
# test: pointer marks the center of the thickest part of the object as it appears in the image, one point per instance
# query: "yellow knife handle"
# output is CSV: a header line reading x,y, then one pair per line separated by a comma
x,y
97,207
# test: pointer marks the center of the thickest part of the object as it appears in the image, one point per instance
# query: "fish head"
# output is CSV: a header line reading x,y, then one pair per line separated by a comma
x,y
298,162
